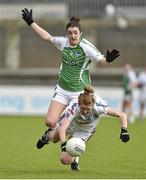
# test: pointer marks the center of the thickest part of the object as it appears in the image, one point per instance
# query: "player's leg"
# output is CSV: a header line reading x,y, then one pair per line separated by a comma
x,y
75,164
44,139
85,136
142,102
127,107
130,113
59,101
53,115
54,135
49,136
141,114
124,105
66,159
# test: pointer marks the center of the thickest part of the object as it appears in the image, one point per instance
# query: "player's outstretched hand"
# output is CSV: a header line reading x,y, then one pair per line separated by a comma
x,y
124,135
63,147
27,16
111,56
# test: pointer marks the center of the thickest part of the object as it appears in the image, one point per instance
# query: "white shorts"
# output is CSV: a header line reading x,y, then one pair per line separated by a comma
x,y
64,96
85,136
128,97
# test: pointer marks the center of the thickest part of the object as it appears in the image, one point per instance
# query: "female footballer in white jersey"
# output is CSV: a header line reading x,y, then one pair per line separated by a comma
x,y
80,119
77,54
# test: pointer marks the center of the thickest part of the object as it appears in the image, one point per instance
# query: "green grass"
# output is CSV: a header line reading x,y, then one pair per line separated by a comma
x,y
105,158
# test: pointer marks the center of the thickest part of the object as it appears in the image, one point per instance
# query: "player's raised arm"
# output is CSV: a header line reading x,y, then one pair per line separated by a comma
x,y
28,18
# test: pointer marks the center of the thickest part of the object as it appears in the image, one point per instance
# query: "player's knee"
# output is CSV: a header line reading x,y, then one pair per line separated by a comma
x,y
54,140
50,123
123,115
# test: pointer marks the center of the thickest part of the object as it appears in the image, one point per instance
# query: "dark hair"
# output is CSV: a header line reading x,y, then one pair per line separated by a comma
x,y
74,22
88,96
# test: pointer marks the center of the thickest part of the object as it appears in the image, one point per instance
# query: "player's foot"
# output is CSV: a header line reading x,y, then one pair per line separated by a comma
x,y
44,139
75,166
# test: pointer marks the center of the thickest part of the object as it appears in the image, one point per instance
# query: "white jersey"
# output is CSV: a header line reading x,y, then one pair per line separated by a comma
x,y
84,123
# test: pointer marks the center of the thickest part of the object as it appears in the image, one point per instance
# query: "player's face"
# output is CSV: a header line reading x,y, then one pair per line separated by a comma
x,y
86,109
73,34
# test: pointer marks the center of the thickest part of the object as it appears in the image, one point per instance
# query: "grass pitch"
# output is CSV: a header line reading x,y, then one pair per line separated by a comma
x,y
105,158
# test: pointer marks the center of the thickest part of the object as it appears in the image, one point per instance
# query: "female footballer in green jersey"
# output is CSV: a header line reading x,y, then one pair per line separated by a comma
x,y
76,56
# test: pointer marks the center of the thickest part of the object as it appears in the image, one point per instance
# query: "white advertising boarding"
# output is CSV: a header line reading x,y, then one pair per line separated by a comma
x,y
35,100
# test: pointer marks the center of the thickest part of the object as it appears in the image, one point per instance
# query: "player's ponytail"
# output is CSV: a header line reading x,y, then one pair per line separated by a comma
x,y
87,97
75,18
88,90
74,22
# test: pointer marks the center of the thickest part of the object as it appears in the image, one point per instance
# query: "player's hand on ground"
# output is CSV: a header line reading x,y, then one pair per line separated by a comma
x,y
27,16
111,56
63,147
124,136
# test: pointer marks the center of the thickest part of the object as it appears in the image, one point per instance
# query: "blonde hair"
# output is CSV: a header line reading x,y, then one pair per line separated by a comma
x,y
87,97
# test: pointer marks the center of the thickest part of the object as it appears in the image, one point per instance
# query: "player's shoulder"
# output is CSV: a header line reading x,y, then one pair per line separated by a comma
x,y
99,101
85,42
60,41
88,46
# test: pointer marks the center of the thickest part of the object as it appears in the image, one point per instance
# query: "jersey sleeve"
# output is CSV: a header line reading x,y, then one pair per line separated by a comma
x,y
100,106
59,41
71,110
92,52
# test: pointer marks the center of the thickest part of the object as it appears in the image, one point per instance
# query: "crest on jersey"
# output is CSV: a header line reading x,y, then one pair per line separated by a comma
x,y
77,53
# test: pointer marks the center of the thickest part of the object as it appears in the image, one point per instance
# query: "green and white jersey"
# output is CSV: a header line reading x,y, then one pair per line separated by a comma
x,y
129,79
74,70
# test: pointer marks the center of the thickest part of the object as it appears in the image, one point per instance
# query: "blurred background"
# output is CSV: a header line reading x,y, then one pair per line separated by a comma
x,y
30,65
